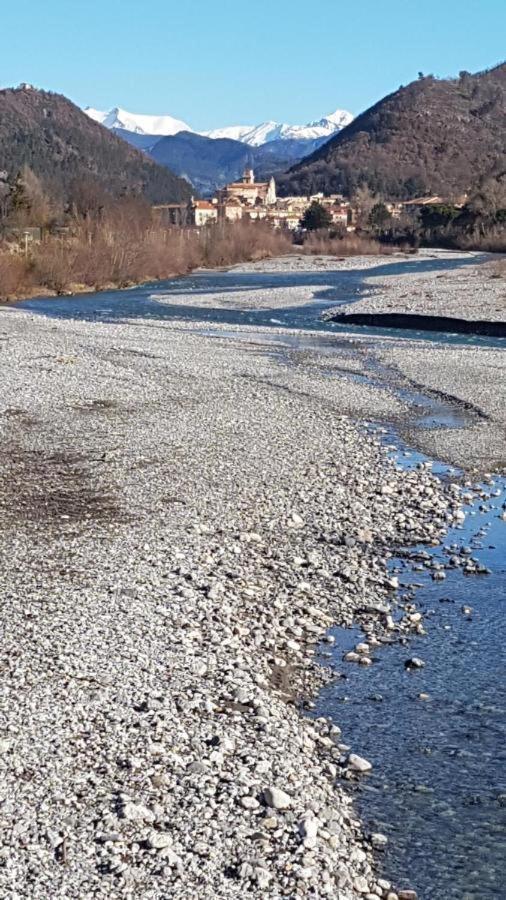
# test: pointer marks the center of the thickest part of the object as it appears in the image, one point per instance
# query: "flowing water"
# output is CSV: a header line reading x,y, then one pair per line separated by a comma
x,y
437,788
325,289
438,785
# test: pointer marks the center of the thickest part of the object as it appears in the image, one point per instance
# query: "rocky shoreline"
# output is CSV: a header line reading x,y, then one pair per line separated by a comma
x,y
184,517
474,378
184,520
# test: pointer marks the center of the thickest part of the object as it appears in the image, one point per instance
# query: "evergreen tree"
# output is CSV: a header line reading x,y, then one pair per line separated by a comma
x,y
379,216
18,197
316,217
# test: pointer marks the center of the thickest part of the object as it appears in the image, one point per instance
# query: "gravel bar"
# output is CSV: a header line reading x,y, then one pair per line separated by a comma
x,y
313,276
182,519
471,292
472,376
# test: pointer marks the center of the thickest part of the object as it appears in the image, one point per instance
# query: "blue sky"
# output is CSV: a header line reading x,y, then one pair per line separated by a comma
x,y
220,62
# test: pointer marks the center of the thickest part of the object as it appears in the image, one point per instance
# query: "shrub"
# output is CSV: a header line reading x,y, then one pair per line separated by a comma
x,y
321,244
126,246
14,275
379,216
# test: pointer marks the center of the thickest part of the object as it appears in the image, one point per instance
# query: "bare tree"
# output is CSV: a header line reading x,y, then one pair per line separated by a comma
x,y
363,202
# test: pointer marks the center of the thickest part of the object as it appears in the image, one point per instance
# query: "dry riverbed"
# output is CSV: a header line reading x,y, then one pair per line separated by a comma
x,y
472,377
182,518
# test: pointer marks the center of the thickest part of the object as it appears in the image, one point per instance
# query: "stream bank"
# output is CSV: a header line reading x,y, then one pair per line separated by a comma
x,y
435,732
198,516
417,322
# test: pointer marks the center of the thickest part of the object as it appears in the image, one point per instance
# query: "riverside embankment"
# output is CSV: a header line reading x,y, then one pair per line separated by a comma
x,y
184,517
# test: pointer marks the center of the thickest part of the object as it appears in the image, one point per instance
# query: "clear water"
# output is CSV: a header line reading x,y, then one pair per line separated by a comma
x,y
438,784
327,289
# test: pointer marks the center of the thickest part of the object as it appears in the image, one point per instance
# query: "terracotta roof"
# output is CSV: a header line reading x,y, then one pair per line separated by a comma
x,y
203,204
248,187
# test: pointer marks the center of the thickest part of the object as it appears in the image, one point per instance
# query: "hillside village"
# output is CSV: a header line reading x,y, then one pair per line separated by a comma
x,y
71,170
253,200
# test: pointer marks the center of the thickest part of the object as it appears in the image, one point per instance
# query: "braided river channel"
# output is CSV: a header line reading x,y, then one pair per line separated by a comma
x,y
437,789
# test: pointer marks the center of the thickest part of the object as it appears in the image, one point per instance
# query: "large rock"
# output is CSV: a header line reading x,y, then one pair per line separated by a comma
x,y
358,763
276,798
414,663
158,840
136,812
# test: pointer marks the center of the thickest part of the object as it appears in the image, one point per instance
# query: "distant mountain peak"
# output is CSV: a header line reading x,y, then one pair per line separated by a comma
x,y
253,135
138,123
269,131
340,117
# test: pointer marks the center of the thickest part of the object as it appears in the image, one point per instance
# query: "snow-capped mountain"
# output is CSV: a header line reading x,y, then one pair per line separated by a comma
x,y
257,135
137,123
253,135
233,132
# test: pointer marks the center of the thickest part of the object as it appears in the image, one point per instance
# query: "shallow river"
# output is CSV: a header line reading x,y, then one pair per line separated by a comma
x,y
327,289
438,785
437,789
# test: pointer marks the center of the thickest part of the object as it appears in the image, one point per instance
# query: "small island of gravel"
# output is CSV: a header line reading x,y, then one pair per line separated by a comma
x,y
475,291
469,301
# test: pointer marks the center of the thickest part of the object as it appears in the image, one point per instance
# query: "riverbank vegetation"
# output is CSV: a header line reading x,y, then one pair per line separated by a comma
x,y
123,245
123,248
479,223
97,242
328,242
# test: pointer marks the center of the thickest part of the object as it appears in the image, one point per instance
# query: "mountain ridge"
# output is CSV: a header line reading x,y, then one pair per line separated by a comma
x,y
433,136
266,132
253,135
137,123
62,146
210,163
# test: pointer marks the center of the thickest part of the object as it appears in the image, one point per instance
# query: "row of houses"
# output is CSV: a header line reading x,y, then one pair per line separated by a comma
x,y
253,200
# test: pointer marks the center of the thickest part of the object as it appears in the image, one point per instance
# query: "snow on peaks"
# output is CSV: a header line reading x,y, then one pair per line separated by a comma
x,y
340,117
276,131
137,123
234,132
254,135
96,114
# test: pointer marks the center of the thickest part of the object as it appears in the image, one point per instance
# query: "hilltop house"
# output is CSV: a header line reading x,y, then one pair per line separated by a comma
x,y
203,212
185,215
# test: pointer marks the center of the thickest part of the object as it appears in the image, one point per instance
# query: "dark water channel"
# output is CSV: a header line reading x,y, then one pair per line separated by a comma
x,y
437,788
